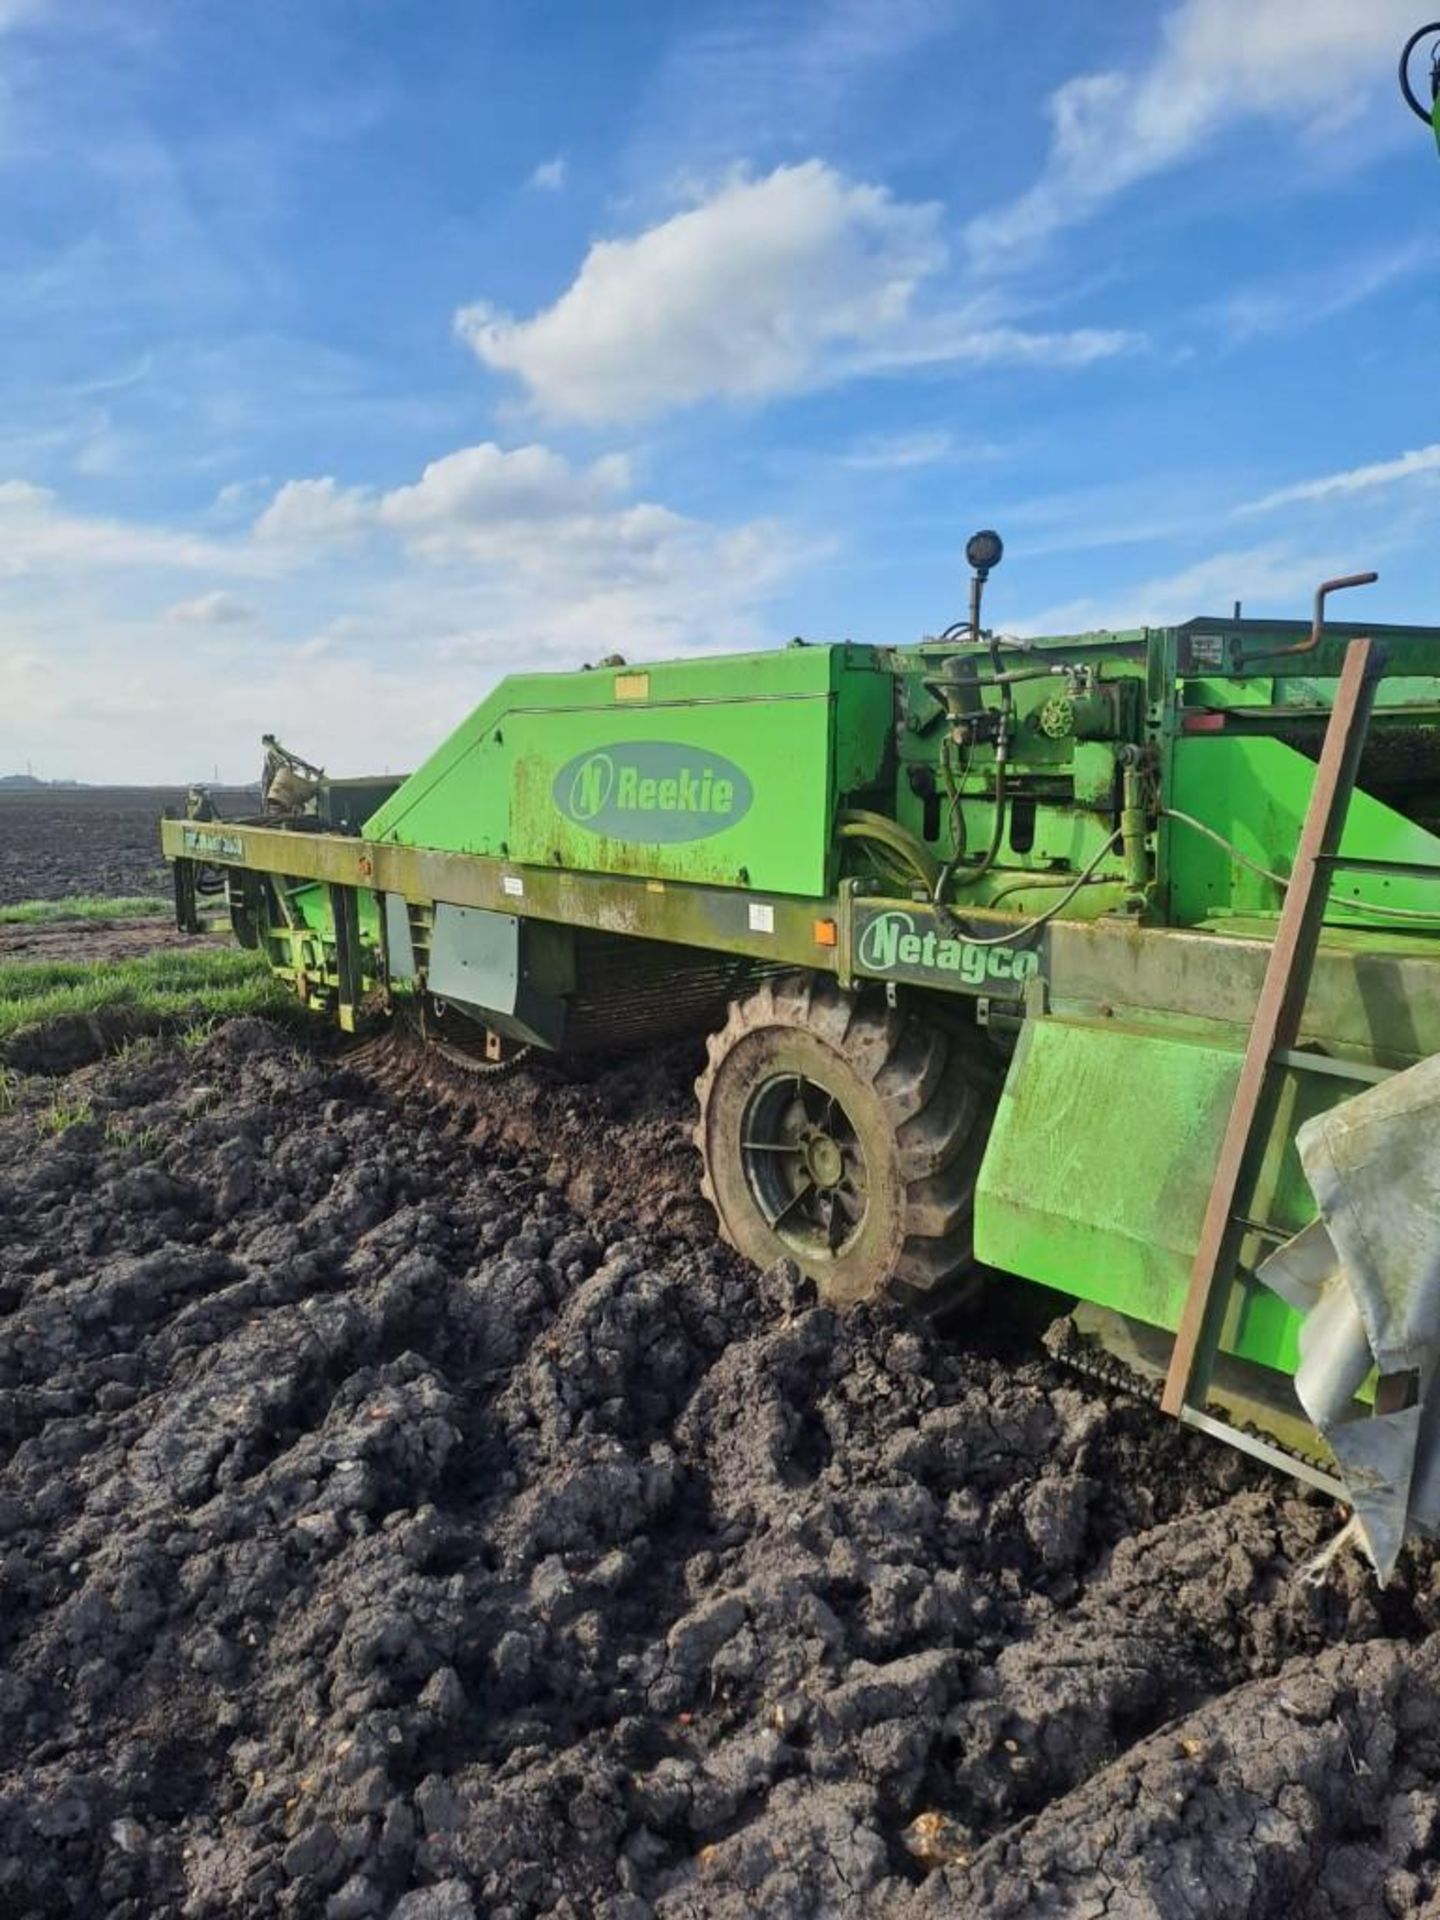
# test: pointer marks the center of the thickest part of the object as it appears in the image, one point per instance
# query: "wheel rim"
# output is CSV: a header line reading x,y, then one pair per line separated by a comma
x,y
805,1166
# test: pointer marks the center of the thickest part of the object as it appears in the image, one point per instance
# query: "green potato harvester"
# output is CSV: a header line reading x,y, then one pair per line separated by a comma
x,y
1110,960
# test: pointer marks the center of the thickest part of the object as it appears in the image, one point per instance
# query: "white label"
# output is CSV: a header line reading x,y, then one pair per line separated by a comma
x,y
762,918
511,883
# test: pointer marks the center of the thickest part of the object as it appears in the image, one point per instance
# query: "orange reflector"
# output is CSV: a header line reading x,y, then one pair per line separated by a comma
x,y
826,934
1203,723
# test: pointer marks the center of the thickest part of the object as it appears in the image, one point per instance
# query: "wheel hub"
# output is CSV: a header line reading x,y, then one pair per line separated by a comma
x,y
805,1166
824,1160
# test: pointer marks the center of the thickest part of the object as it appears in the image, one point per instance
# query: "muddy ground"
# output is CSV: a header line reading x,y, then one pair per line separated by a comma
x,y
407,1508
98,840
407,1511
96,942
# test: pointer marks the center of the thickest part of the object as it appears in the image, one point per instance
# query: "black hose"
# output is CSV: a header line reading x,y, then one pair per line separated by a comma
x,y
969,875
1027,927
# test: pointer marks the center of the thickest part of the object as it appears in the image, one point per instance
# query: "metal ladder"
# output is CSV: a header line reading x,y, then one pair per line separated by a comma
x,y
1272,1045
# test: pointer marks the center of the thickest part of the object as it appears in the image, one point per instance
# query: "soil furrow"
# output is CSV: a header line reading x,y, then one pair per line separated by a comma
x,y
409,1505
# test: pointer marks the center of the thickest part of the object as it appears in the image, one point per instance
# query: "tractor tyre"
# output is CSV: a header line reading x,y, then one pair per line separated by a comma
x,y
844,1134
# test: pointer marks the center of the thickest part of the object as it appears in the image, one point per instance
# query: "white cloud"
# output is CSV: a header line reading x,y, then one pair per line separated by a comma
x,y
768,286
550,175
522,523
217,609
1217,61
239,497
38,535
352,713
893,452
306,510
529,523
766,80
966,338
514,505
484,483
1418,464
20,497
390,613
897,452
1272,575
737,296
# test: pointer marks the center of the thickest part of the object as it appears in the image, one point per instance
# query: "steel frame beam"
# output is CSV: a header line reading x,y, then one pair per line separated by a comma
x,y
1378,1001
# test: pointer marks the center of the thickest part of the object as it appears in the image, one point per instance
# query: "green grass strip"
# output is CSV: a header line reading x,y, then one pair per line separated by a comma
x,y
191,983
85,906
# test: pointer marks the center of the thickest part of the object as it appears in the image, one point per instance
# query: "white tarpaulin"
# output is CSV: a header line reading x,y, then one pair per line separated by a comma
x,y
1366,1275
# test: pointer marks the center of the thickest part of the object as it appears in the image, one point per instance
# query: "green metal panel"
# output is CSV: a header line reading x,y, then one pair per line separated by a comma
x,y
713,771
1099,1166
399,942
1248,649
1255,790
609,792
864,729
515,971
475,957
1095,768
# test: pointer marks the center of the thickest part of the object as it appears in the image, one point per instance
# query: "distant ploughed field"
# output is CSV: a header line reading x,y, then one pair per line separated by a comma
x,y
84,840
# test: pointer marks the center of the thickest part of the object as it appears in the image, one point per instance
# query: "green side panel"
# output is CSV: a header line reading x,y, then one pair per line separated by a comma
x,y
1099,1167
310,904
712,771
864,731
1255,791
503,966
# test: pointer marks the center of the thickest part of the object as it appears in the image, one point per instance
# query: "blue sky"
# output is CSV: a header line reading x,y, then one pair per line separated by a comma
x,y
353,353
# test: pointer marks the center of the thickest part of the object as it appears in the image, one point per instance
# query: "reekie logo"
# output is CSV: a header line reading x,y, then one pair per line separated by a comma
x,y
652,791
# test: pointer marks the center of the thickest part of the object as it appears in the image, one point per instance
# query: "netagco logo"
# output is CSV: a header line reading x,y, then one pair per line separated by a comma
x,y
652,790
891,943
201,840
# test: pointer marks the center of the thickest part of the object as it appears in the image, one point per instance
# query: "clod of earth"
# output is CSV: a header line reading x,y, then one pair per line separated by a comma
x,y
402,1517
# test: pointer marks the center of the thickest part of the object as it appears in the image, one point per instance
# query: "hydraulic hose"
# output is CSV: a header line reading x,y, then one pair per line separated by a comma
x,y
1045,882
915,862
1012,934
969,875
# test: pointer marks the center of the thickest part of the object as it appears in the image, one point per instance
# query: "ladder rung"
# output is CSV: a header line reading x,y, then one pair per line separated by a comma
x,y
1356,863
1275,1028
1326,1063
1266,1232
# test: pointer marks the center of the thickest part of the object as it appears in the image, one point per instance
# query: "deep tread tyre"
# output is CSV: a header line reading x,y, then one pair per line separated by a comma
x,y
844,1134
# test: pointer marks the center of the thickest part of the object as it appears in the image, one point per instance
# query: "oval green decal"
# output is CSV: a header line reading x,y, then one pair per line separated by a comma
x,y
652,791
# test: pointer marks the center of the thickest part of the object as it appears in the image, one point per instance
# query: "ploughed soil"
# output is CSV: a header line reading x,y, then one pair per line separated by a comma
x,y
408,1508
96,941
100,840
